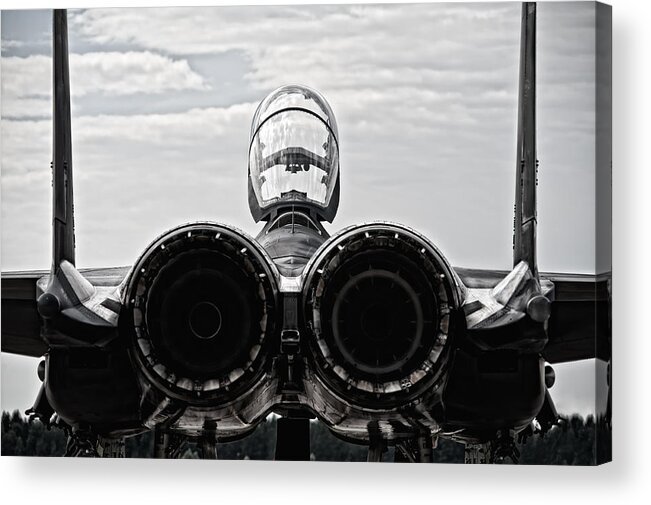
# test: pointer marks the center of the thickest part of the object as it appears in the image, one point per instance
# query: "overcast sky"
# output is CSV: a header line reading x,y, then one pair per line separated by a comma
x,y
425,97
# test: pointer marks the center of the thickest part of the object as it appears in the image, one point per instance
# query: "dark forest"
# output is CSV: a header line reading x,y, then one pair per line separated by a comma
x,y
577,442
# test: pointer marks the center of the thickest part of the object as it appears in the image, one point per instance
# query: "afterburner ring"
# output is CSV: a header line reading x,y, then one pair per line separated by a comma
x,y
381,306
201,301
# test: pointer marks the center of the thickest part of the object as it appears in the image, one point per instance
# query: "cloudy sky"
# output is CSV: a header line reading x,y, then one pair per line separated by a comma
x,y
425,97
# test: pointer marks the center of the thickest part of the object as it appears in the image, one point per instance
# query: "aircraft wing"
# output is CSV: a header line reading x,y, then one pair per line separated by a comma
x,y
579,326
21,324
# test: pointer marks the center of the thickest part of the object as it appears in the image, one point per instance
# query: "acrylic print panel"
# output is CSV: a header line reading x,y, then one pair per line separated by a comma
x,y
399,233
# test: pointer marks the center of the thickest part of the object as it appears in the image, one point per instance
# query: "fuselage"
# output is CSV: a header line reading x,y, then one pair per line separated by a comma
x,y
291,239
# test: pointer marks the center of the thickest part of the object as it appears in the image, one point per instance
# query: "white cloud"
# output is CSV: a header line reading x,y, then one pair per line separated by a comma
x,y
385,45
122,73
134,176
10,44
27,81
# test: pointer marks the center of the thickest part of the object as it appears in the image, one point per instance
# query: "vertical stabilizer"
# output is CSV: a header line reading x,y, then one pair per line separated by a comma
x,y
63,223
524,232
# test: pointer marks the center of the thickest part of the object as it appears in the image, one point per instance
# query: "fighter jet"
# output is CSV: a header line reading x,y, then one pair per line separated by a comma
x,y
370,331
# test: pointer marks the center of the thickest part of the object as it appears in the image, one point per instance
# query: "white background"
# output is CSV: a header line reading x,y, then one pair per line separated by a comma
x,y
105,481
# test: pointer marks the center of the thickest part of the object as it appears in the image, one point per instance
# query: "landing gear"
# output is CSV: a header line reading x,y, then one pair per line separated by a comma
x,y
502,450
376,448
85,444
171,445
167,445
415,450
477,454
207,443
110,447
80,445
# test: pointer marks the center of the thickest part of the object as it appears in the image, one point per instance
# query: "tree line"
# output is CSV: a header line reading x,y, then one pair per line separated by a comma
x,y
578,442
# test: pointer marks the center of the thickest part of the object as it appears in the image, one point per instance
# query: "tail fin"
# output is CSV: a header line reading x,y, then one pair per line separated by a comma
x,y
63,222
524,230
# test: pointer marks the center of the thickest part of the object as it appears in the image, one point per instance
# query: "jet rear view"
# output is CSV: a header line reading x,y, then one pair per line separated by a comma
x,y
370,331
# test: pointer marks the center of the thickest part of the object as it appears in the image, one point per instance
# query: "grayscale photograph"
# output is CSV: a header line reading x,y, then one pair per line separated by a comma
x,y
373,232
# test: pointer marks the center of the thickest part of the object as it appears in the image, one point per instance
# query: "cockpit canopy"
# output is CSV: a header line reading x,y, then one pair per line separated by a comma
x,y
294,152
